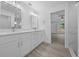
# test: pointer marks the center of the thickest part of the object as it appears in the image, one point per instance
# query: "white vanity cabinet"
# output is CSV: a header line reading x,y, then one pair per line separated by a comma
x,y
15,45
10,49
30,41
34,40
10,46
19,44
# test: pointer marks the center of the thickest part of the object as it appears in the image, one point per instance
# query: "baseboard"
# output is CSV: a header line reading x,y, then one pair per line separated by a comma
x,y
72,52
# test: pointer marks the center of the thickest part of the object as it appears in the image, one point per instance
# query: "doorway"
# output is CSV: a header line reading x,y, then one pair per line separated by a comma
x,y
58,27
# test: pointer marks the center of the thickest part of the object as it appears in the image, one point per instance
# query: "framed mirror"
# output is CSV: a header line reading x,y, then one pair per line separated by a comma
x,y
34,21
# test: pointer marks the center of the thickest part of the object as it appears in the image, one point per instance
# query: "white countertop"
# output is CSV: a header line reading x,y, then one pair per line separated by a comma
x,y
2,33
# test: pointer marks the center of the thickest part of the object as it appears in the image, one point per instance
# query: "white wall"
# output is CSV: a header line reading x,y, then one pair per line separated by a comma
x,y
0,8
71,27
78,30
26,21
25,15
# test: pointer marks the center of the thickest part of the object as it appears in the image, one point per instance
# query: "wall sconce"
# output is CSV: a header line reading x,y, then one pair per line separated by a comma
x,y
15,23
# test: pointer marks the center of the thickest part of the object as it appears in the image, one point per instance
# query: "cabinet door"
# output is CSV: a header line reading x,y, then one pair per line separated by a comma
x,y
10,49
37,38
25,44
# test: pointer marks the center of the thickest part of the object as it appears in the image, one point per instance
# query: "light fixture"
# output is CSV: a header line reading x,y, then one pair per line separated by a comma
x,y
33,14
30,4
18,6
13,3
15,22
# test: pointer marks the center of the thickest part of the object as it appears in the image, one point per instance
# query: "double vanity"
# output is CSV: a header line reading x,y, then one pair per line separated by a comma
x,y
19,44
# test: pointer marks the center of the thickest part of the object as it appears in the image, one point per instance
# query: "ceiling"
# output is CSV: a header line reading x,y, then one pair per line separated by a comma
x,y
46,4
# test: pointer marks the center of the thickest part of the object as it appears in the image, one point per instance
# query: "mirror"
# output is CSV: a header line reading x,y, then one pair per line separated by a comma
x,y
17,20
34,20
5,22
10,16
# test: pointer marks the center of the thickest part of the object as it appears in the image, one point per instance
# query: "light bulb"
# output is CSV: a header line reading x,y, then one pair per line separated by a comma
x,y
15,23
14,3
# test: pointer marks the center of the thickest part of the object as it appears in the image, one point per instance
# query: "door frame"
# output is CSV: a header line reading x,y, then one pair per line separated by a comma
x,y
65,43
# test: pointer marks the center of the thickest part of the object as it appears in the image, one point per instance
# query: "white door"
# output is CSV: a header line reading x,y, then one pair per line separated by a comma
x,y
10,49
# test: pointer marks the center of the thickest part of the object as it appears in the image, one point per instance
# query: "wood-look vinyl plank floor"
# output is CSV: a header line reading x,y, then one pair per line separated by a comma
x,y
56,49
